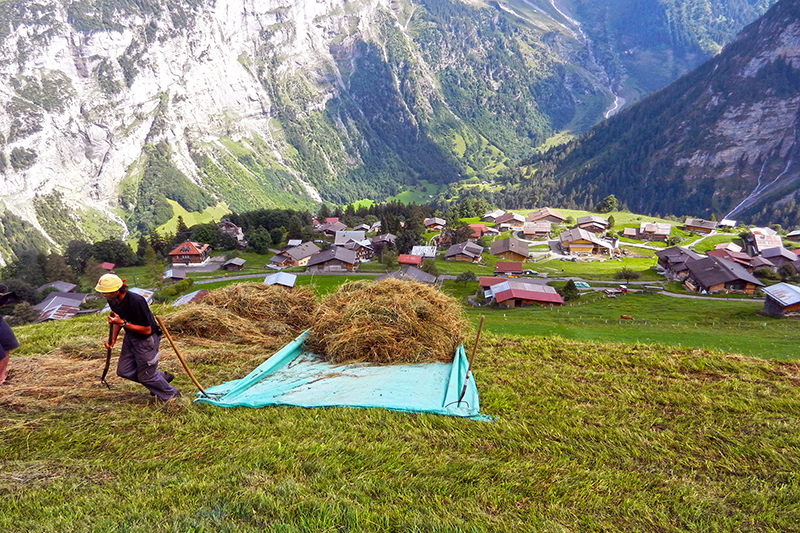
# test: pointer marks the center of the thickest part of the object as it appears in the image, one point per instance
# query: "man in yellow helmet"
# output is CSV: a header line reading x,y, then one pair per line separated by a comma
x,y
138,357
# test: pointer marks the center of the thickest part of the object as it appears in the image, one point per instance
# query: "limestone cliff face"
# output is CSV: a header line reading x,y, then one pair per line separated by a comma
x,y
258,104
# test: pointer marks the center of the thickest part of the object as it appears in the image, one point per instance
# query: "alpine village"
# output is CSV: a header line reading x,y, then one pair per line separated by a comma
x,y
400,265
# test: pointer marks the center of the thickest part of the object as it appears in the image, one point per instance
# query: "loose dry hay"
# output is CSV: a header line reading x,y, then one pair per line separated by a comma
x,y
390,321
61,381
247,313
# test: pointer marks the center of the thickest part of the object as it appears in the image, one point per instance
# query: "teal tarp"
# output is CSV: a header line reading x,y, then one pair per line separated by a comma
x,y
296,377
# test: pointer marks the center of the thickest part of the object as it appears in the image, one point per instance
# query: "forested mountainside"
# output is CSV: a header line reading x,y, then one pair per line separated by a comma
x,y
721,140
112,109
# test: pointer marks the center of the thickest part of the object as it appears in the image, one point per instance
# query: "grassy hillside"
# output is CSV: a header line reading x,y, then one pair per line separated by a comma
x,y
586,437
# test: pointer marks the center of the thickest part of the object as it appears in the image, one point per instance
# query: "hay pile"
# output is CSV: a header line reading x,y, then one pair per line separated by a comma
x,y
246,313
388,322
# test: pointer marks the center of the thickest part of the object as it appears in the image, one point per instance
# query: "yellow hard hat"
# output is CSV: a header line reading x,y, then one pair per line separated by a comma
x,y
108,283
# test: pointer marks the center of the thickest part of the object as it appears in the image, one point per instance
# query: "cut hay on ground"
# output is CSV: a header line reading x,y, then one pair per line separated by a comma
x,y
387,322
247,313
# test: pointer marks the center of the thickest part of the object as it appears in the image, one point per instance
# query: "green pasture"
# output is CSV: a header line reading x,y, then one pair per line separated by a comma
x,y
215,213
418,194
732,326
586,436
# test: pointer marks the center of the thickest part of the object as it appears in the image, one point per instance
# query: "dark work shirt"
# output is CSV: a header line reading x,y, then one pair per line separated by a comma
x,y
135,310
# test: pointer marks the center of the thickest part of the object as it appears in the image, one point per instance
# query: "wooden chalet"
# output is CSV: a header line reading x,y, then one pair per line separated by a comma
x,y
581,242
504,268
781,299
537,230
335,259
408,259
699,225
654,231
234,265
492,216
547,214
465,251
673,260
520,293
510,249
510,221
593,224
434,224
189,252
712,275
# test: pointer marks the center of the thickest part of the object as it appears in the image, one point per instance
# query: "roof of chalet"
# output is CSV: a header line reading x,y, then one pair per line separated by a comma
x,y
55,299
307,249
332,227
509,217
589,219
783,293
281,278
408,259
769,232
508,266
343,237
580,234
409,273
362,227
294,242
384,237
189,248
237,261
678,254
728,223
758,261
737,257
60,286
494,214
700,223
711,271
540,226
469,249
771,253
331,220
434,221
513,289
488,281
478,229
728,246
335,253
765,242
424,251
509,244
59,312
192,297
544,212
655,228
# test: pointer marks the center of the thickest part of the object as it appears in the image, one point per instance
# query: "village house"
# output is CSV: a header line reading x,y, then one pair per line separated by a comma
x,y
537,230
729,253
519,293
384,239
653,231
409,273
761,239
726,223
465,251
331,229
712,274
510,221
478,231
59,286
229,228
507,269
189,252
760,262
546,214
699,226
343,237
793,236
234,265
362,227
492,216
60,305
295,257
778,256
434,224
424,251
408,259
510,249
781,299
581,242
363,249
335,259
593,224
673,261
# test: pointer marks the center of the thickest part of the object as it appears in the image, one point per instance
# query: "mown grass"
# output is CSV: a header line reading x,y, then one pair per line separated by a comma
x,y
586,437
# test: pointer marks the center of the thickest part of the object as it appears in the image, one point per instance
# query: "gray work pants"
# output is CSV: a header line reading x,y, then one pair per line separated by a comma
x,y
138,361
